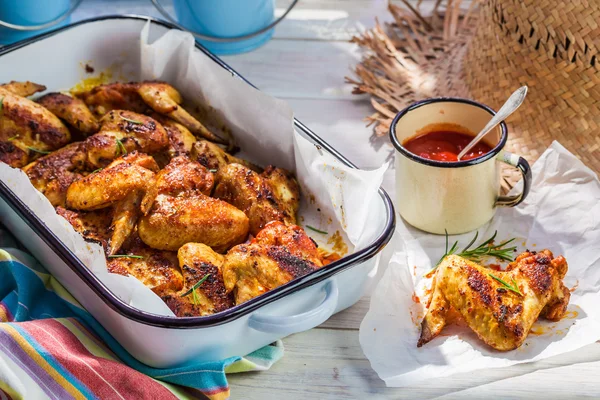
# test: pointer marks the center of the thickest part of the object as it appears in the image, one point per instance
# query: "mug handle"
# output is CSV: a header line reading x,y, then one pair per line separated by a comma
x,y
523,166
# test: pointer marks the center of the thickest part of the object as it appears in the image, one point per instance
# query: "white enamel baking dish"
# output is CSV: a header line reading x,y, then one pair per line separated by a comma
x,y
55,59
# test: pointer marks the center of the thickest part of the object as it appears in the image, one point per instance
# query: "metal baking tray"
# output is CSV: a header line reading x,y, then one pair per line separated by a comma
x,y
157,340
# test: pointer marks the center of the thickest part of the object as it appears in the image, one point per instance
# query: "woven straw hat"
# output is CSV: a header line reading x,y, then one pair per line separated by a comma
x,y
553,47
486,51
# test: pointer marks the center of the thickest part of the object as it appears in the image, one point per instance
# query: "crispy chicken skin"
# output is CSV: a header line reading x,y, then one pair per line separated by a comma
x,y
183,213
139,97
213,157
53,174
114,96
500,317
274,257
197,261
158,270
273,195
133,172
92,225
128,184
181,140
24,89
166,100
27,127
183,176
123,132
71,110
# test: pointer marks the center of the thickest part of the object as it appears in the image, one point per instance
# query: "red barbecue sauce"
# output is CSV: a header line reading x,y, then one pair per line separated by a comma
x,y
444,146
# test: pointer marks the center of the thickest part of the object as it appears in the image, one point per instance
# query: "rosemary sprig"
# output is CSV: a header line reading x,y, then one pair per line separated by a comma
x,y
312,228
213,170
38,150
485,249
1,103
97,170
193,289
125,256
513,288
13,138
133,121
121,150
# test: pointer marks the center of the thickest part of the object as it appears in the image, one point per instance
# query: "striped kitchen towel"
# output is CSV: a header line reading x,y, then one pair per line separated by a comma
x,y
50,347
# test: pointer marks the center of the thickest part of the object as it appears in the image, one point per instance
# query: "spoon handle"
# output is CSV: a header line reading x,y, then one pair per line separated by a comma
x,y
513,102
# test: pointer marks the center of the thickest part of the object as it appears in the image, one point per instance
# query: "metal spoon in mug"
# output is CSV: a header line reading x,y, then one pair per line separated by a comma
x,y
509,107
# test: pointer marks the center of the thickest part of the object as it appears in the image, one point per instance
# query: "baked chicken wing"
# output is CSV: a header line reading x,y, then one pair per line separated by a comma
x,y
27,130
53,174
183,212
94,226
158,270
500,317
139,97
213,157
71,110
273,195
24,89
127,184
123,132
203,292
278,254
181,140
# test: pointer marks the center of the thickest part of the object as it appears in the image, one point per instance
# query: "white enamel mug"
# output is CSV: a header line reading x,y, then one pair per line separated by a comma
x,y
456,197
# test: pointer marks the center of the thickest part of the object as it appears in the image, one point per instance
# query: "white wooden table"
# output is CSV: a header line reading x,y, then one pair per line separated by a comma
x,y
305,64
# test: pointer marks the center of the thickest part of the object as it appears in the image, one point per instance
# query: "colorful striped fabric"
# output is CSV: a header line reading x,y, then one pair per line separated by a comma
x,y
50,347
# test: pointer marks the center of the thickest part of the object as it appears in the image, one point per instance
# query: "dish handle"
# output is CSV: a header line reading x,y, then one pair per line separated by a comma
x,y
299,322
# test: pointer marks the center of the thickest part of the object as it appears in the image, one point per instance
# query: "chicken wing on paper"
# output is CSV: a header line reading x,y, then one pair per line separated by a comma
x,y
502,318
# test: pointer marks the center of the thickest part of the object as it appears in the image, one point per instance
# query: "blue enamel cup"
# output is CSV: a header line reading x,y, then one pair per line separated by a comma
x,y
20,19
226,26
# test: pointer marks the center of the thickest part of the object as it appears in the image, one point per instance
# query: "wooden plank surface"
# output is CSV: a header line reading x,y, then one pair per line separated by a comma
x,y
305,64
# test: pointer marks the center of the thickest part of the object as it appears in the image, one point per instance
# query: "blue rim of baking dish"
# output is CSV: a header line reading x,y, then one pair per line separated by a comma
x,y
137,315
447,164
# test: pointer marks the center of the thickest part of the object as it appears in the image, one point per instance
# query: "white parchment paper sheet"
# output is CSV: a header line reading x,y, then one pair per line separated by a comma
x,y
263,128
561,213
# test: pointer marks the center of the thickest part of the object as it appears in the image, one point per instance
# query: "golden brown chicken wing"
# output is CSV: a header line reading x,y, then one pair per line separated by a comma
x,y
71,110
94,226
204,291
273,195
24,89
128,184
166,100
27,127
53,174
114,96
139,97
213,157
500,317
181,140
158,270
123,132
182,211
278,254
